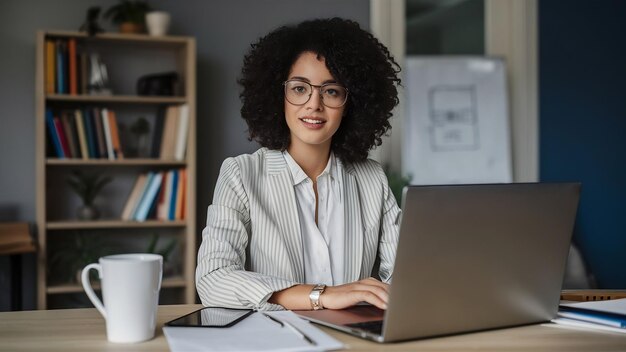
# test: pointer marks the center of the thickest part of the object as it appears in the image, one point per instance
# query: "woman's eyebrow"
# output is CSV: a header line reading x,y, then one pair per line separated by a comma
x,y
309,81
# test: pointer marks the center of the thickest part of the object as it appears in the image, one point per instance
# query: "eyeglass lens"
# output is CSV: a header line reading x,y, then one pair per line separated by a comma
x,y
299,93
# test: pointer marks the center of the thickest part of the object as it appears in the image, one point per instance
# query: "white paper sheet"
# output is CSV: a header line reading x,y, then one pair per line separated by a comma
x,y
254,333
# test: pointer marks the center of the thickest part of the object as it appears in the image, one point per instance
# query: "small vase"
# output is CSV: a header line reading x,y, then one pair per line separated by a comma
x,y
158,23
87,212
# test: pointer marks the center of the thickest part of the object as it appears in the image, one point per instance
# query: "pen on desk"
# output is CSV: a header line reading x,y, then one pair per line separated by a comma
x,y
292,327
274,319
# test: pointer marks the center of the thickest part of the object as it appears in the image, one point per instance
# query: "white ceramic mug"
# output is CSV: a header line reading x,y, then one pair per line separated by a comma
x,y
130,291
158,22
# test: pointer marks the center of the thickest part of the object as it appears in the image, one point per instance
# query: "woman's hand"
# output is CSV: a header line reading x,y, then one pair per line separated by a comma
x,y
367,290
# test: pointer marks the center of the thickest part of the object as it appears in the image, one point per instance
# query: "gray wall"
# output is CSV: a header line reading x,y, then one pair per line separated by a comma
x,y
223,30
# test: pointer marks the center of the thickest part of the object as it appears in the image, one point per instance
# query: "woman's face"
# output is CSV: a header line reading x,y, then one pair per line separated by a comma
x,y
313,123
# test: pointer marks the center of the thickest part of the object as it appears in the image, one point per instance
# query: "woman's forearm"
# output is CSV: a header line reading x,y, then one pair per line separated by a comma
x,y
293,298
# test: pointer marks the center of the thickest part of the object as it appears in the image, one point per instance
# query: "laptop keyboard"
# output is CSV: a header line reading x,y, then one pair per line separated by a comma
x,y
374,326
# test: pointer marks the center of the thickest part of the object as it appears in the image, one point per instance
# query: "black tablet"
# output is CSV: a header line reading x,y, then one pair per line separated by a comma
x,y
211,317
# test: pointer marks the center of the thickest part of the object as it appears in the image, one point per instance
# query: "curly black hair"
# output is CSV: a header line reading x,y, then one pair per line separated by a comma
x,y
354,57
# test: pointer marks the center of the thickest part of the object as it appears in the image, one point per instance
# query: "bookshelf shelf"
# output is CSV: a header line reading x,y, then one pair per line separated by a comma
x,y
119,162
114,99
120,37
100,126
173,282
109,224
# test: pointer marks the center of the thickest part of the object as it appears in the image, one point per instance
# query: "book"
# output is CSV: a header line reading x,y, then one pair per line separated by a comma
x,y
66,121
72,66
169,133
60,69
107,133
165,195
89,133
182,132
50,67
155,151
52,131
115,136
152,213
133,198
180,195
183,210
171,215
84,75
97,119
80,131
150,194
142,194
59,129
609,312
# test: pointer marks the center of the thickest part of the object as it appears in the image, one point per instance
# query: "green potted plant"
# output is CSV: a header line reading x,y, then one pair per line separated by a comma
x,y
129,15
87,187
397,183
71,256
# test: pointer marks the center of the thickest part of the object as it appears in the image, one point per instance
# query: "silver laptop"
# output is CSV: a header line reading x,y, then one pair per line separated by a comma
x,y
469,258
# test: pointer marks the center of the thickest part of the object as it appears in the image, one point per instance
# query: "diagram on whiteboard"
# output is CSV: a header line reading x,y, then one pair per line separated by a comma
x,y
454,124
456,128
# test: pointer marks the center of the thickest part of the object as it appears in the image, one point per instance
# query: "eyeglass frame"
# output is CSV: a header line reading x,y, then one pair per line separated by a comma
x,y
319,89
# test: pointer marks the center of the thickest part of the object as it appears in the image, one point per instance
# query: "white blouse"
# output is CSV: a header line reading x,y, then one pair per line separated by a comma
x,y
323,243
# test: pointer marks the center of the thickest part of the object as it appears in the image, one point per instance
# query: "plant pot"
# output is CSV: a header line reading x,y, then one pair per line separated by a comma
x,y
158,23
131,28
87,212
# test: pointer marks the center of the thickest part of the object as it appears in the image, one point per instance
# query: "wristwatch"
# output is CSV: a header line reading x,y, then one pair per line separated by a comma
x,y
314,296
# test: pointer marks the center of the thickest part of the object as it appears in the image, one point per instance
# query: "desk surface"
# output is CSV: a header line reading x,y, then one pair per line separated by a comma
x,y
83,330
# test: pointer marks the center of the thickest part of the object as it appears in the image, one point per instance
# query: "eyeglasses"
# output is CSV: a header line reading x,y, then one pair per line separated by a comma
x,y
299,93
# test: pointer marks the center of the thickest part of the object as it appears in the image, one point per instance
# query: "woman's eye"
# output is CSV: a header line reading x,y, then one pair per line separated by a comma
x,y
331,92
299,89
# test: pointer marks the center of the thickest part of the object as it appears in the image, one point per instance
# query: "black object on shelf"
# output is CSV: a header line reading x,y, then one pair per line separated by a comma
x,y
161,84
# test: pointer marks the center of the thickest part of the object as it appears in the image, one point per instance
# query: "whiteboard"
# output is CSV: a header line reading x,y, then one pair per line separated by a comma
x,y
456,127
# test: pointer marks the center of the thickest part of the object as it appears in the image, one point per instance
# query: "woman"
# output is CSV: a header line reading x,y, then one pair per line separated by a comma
x,y
305,221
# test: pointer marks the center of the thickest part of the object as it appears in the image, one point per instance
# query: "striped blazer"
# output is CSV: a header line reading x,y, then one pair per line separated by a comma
x,y
252,246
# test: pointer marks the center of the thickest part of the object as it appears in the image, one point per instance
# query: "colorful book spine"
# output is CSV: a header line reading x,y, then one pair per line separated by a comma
x,y
142,195
115,136
53,134
66,121
180,194
80,131
59,129
172,206
107,133
72,66
50,67
146,202
89,133
169,133
133,199
60,69
97,120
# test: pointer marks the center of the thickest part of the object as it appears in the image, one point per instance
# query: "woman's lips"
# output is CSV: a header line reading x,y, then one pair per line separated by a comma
x,y
312,123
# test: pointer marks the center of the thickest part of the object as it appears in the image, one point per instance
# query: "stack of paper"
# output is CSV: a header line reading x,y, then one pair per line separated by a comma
x,y
254,333
607,315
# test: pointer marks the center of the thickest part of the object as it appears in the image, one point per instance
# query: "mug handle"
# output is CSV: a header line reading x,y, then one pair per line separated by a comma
x,y
87,286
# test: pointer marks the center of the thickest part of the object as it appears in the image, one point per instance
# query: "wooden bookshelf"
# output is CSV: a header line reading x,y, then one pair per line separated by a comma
x,y
172,282
52,224
113,163
114,99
